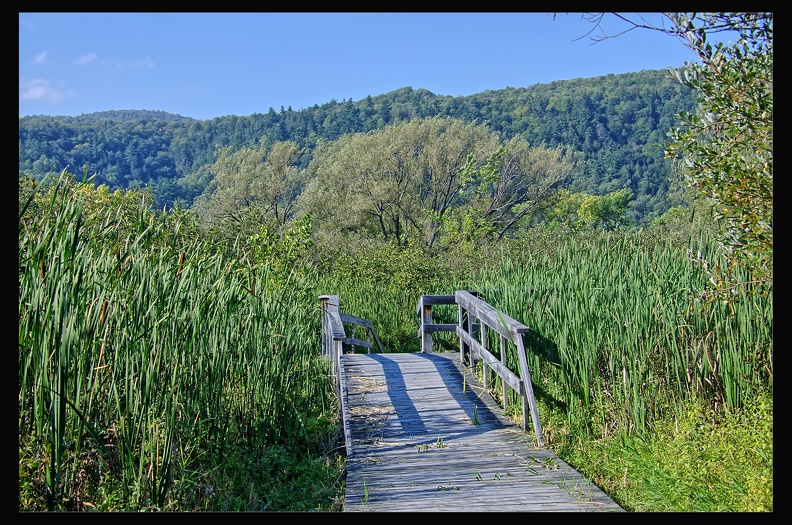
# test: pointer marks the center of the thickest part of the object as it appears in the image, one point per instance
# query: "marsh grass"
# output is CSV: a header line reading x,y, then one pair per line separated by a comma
x,y
616,325
143,365
621,344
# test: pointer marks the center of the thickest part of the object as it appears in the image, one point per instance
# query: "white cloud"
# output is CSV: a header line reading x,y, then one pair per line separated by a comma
x,y
85,59
42,90
40,58
146,62
140,63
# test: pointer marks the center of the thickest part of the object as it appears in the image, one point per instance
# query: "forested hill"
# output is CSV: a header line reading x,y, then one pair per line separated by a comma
x,y
619,123
131,114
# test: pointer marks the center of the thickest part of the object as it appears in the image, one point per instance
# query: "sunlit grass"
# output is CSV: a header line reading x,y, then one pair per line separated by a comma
x,y
147,370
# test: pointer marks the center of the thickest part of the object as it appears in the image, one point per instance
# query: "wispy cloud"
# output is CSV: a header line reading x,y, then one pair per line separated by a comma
x,y
42,90
85,59
41,57
140,63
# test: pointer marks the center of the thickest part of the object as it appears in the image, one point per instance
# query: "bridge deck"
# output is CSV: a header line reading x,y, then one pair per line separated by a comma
x,y
424,439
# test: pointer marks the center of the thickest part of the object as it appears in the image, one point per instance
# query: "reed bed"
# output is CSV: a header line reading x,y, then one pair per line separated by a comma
x,y
143,364
618,330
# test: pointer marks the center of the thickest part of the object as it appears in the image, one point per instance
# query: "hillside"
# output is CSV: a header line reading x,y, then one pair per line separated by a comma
x,y
618,122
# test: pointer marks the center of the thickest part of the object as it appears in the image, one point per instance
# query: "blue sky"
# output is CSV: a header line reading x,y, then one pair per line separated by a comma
x,y
206,65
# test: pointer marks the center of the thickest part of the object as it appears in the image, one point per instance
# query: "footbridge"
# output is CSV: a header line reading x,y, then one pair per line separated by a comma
x,y
423,434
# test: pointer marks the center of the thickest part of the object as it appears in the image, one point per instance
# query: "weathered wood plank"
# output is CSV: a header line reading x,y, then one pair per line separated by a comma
x,y
358,342
438,299
437,327
427,437
349,318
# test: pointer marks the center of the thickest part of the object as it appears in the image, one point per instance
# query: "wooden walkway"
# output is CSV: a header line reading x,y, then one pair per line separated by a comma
x,y
423,439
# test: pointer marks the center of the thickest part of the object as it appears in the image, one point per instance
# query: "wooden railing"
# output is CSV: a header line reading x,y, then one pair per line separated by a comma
x,y
334,340
474,319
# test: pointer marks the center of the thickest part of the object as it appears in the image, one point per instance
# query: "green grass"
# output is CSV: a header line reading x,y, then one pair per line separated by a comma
x,y
160,373
689,462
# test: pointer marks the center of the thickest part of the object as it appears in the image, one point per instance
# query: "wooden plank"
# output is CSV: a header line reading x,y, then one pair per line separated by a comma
x,y
438,299
349,318
427,437
358,342
437,327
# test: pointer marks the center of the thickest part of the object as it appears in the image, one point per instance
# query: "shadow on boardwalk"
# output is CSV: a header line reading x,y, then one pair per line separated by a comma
x,y
426,438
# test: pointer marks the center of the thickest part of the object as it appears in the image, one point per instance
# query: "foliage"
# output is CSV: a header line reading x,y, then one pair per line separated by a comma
x,y
284,255
428,182
251,186
725,148
617,122
148,364
682,223
567,210
515,182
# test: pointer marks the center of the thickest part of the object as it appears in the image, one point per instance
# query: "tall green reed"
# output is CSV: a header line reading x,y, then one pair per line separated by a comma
x,y
146,354
622,329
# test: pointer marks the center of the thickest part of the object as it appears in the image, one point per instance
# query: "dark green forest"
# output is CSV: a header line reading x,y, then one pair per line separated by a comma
x,y
618,123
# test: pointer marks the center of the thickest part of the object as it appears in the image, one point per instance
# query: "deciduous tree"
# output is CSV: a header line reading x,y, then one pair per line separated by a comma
x,y
724,150
251,187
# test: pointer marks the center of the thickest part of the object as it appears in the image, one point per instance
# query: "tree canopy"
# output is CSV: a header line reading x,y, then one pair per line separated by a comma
x,y
426,181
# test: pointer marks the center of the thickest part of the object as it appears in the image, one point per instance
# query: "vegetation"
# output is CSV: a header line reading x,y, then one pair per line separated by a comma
x,y
157,372
725,148
427,182
621,354
617,123
155,381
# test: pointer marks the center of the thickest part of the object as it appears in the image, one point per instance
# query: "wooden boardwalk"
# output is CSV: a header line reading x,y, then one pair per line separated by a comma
x,y
423,439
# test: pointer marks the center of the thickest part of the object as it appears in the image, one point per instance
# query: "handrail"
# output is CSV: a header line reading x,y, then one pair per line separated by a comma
x,y
471,308
333,340
424,311
365,323
333,337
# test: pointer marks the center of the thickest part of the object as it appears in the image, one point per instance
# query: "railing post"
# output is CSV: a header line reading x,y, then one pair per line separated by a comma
x,y
472,332
504,362
326,341
426,319
525,377
332,331
463,325
466,324
486,369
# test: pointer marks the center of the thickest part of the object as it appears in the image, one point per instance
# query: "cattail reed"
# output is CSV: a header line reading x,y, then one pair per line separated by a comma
x,y
153,391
